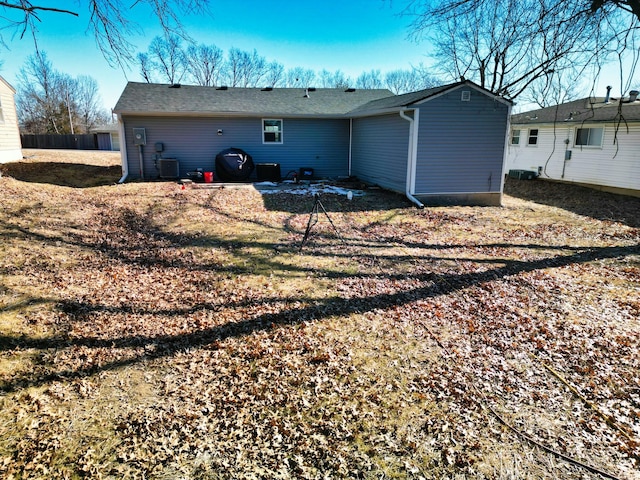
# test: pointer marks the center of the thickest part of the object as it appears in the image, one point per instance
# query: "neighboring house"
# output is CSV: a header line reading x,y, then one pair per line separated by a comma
x,y
10,146
107,136
441,145
593,142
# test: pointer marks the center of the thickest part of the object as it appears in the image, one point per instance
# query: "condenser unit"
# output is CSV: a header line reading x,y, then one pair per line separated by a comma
x,y
522,174
169,168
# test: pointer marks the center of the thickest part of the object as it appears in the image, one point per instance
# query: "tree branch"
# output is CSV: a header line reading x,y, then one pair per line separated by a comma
x,y
27,7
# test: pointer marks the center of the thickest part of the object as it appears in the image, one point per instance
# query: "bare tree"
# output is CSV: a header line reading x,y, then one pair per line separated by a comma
x,y
245,69
300,77
400,81
336,79
556,88
508,45
88,109
109,21
340,80
424,77
632,6
404,81
275,75
145,66
53,102
38,97
167,58
369,80
205,64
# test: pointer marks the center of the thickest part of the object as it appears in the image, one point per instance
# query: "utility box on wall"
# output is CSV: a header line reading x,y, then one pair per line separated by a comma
x,y
139,136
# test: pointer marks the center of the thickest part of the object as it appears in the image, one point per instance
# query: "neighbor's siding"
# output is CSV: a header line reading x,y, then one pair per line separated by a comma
x,y
321,144
616,164
10,146
461,144
380,149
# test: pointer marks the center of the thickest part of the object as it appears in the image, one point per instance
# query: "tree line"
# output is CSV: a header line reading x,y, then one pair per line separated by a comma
x,y
53,102
539,50
168,60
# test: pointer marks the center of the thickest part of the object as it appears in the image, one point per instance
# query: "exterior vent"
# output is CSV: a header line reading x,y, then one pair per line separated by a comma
x,y
267,89
466,96
223,87
633,95
349,90
168,167
608,97
175,85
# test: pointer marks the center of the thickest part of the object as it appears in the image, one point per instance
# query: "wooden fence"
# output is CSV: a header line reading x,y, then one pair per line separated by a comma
x,y
66,142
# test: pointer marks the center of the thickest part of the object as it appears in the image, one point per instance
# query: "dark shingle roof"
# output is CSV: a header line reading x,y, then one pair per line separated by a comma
x,y
399,101
162,99
584,110
404,100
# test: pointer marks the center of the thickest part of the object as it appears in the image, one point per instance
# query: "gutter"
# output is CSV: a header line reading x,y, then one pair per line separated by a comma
x,y
123,151
411,155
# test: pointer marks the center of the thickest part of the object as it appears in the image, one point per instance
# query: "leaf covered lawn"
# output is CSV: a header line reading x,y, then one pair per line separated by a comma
x,y
148,331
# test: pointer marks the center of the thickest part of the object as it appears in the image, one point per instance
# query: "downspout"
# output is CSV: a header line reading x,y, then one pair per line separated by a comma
x,y
123,150
350,142
410,159
505,152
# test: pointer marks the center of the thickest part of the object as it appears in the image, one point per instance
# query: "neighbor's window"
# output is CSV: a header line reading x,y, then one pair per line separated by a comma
x,y
271,131
515,137
533,137
589,137
1,113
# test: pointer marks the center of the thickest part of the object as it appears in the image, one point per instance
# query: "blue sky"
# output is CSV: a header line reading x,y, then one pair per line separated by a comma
x,y
352,36
348,35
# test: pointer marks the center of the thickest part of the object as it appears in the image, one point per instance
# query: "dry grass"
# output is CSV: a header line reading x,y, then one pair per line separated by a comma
x,y
70,168
152,332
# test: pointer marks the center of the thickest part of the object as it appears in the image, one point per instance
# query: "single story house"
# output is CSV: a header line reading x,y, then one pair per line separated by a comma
x,y
592,141
10,144
107,136
441,145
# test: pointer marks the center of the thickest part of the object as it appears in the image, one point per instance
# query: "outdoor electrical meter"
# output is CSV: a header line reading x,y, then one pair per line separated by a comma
x,y
139,136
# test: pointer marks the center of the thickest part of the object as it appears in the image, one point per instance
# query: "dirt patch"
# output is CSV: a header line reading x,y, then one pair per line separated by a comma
x,y
150,331
68,168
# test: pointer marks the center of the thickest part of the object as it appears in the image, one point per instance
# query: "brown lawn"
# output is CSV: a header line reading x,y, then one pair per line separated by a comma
x,y
150,331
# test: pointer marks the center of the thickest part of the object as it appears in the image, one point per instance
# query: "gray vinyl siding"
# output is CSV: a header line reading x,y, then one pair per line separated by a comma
x,y
461,144
380,149
321,144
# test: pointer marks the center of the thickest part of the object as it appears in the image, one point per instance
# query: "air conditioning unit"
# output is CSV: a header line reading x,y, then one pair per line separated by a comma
x,y
522,174
169,168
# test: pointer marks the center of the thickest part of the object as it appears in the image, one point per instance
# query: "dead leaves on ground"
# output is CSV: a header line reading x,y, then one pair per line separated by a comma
x,y
188,337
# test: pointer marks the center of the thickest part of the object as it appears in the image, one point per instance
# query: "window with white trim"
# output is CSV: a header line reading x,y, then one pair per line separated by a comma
x,y
533,137
271,130
589,137
515,136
